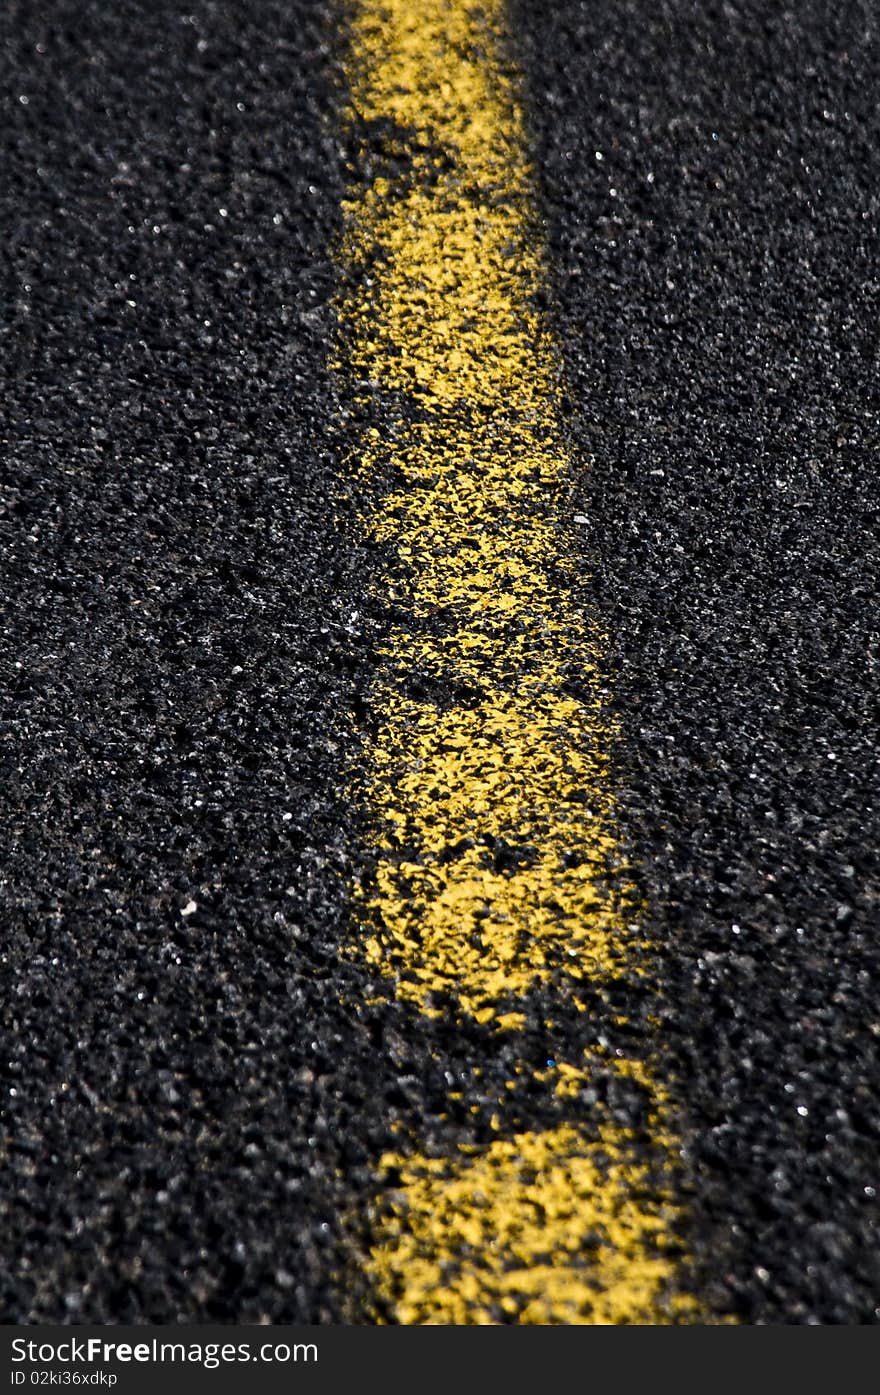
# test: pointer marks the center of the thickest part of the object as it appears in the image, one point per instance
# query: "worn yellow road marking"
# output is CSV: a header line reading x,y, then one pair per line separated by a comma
x,y
488,779
531,1229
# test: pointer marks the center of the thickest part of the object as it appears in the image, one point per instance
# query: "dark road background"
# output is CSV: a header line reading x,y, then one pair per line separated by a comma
x,y
195,1089
717,294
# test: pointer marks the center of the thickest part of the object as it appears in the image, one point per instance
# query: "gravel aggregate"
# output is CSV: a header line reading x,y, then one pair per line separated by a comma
x,y
709,176
198,1081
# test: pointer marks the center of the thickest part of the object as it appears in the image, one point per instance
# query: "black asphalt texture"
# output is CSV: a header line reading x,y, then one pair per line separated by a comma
x,y
711,176
195,1091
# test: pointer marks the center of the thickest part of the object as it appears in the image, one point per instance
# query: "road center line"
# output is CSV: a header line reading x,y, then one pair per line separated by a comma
x,y
487,784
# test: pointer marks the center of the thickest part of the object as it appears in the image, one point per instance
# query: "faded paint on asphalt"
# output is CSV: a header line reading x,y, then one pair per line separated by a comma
x,y
488,785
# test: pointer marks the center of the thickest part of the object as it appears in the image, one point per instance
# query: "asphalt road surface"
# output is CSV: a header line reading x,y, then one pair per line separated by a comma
x,y
438,709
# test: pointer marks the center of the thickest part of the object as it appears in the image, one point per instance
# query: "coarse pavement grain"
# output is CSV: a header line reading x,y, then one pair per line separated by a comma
x,y
199,1082
709,175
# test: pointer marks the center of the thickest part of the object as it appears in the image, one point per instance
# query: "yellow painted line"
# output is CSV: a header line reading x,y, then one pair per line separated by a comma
x,y
531,1227
488,783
